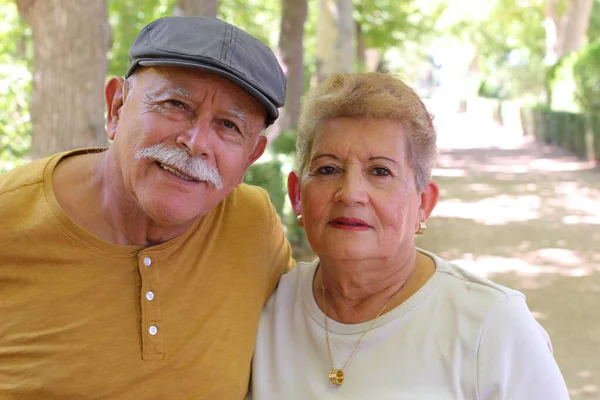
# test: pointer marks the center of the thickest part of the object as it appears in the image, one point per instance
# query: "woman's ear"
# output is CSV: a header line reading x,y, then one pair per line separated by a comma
x,y
429,198
113,96
295,192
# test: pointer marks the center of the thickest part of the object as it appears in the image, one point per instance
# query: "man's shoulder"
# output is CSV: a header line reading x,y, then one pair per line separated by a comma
x,y
245,196
21,177
251,190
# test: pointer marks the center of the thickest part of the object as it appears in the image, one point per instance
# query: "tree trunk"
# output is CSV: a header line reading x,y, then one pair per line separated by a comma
x,y
70,40
291,57
551,24
335,38
361,47
573,33
205,8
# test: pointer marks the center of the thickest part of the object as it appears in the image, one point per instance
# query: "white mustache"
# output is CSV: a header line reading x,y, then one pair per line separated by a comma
x,y
180,159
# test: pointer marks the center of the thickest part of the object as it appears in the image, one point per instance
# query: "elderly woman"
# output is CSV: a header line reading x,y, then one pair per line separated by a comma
x,y
374,317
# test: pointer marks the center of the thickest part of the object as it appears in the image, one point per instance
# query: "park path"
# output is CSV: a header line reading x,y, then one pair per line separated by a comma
x,y
526,216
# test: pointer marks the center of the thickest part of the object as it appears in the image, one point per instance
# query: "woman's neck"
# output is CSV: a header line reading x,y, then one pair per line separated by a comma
x,y
357,292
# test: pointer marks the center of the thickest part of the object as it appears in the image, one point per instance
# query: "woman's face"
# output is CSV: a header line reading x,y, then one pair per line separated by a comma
x,y
358,197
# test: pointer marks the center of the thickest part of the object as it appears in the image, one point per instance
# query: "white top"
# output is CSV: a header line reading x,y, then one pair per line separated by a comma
x,y
459,337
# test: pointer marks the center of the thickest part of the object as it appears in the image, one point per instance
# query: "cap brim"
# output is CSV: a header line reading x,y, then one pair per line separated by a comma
x,y
272,111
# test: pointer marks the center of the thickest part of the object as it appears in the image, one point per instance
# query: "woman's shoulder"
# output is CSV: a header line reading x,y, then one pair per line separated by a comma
x,y
303,271
469,279
293,283
471,294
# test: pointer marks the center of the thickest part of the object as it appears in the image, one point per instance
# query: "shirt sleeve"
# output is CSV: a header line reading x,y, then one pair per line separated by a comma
x,y
282,261
514,358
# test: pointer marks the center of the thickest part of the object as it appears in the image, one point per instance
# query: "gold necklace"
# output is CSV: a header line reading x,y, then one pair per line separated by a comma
x,y
336,376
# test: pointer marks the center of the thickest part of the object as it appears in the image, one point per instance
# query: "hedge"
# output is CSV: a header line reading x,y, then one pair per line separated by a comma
x,y
564,129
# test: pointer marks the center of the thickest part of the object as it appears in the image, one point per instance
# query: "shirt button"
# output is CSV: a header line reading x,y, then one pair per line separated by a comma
x,y
153,330
149,296
147,261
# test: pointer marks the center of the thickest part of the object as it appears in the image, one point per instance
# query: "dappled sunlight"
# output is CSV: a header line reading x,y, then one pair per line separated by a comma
x,y
557,165
561,256
525,215
495,210
525,265
588,391
449,172
577,219
581,202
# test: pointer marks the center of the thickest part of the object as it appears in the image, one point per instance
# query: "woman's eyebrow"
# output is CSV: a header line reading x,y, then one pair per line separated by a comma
x,y
383,158
324,155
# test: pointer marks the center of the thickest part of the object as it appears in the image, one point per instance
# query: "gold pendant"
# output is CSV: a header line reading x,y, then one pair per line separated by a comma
x,y
336,376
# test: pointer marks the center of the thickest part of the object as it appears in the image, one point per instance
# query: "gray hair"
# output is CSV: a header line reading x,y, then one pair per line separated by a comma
x,y
376,96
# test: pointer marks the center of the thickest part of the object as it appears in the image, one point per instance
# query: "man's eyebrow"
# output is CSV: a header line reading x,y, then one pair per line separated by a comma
x,y
175,91
179,91
241,115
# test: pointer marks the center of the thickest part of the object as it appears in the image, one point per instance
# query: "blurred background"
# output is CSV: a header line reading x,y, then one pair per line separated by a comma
x,y
514,87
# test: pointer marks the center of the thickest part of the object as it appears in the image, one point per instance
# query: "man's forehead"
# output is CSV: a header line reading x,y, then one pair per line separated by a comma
x,y
188,82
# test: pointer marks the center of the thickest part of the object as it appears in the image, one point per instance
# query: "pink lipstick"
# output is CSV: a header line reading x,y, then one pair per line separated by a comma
x,y
351,224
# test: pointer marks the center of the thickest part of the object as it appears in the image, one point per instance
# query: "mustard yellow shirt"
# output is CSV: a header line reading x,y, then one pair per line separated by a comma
x,y
81,318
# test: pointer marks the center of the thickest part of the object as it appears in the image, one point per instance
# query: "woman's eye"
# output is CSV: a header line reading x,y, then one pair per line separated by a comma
x,y
326,170
381,171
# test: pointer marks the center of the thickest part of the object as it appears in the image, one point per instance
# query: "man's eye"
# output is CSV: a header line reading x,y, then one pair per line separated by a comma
x,y
381,171
326,170
229,125
176,103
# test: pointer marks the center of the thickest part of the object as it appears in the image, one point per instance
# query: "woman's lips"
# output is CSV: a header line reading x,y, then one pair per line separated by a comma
x,y
351,224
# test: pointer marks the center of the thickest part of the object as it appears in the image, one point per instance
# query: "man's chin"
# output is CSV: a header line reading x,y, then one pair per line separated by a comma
x,y
170,209
172,216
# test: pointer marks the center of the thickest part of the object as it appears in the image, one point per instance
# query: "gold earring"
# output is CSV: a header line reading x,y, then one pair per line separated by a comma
x,y
299,219
422,228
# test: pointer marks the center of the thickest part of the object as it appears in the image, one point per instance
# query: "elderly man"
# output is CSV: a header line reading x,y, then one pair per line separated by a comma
x,y
139,271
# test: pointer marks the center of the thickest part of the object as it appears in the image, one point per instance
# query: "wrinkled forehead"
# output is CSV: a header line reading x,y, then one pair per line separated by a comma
x,y
195,84
363,135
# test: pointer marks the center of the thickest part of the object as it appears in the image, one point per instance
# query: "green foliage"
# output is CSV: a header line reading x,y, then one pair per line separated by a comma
x,y
15,88
491,88
574,81
509,38
586,75
127,18
392,23
260,18
270,177
593,32
285,143
564,129
562,85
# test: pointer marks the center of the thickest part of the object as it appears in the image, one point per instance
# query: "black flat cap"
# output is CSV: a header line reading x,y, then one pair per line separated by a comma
x,y
214,46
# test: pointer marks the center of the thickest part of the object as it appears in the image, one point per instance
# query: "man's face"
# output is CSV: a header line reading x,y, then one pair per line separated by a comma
x,y
183,139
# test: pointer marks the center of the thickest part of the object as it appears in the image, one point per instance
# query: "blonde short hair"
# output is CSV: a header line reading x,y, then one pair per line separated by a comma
x,y
370,96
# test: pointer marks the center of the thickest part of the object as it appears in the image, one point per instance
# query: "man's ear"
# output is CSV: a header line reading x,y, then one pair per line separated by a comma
x,y
295,192
429,198
113,95
259,149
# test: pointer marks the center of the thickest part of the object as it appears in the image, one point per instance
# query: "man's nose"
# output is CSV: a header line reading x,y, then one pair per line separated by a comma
x,y
196,139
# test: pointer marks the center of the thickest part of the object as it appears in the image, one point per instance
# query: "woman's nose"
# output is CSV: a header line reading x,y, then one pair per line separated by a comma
x,y
352,189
